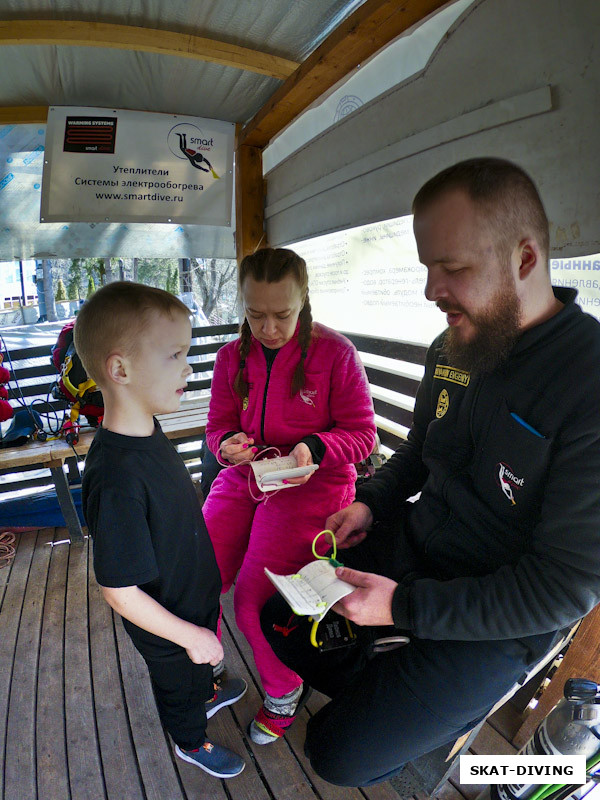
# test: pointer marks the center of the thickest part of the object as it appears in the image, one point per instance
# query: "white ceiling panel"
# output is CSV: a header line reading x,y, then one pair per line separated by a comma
x,y
46,75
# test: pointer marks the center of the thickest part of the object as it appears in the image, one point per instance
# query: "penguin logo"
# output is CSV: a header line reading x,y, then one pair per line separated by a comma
x,y
443,404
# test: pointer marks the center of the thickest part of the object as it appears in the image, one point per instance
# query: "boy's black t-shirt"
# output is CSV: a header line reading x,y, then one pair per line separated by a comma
x,y
142,511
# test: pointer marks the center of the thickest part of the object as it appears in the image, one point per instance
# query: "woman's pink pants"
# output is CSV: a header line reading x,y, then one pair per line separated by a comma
x,y
276,533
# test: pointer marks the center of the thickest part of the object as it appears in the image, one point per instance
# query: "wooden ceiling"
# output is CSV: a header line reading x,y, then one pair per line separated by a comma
x,y
274,89
373,25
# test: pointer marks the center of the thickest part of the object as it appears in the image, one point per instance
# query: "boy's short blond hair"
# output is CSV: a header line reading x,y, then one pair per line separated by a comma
x,y
115,317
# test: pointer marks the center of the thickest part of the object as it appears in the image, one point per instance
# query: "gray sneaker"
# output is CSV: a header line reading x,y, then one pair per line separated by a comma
x,y
227,692
214,759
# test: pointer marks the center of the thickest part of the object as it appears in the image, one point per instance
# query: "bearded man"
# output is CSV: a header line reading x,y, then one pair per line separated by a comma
x,y
501,550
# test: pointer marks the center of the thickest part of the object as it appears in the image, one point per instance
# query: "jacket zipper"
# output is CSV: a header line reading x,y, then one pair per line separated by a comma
x,y
262,419
473,405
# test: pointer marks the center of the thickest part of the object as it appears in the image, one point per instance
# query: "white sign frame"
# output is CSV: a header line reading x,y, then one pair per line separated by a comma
x,y
107,165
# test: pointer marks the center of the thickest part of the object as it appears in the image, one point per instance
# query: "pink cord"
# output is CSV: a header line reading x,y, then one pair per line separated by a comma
x,y
222,463
265,495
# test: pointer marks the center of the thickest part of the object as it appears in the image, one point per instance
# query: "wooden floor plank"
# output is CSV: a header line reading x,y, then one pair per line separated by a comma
x,y
489,741
73,729
469,791
51,751
297,733
20,771
5,575
85,768
381,791
286,780
155,759
448,792
117,753
506,720
296,738
9,625
277,761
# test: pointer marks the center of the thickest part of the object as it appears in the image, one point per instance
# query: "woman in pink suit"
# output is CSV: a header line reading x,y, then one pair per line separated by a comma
x,y
297,386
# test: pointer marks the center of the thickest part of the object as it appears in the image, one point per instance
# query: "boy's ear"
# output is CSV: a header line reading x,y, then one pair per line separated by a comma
x,y
117,368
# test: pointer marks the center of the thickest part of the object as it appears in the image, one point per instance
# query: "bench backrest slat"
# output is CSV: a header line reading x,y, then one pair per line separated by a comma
x,y
392,348
393,368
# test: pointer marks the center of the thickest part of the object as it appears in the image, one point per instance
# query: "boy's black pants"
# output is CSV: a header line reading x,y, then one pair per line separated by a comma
x,y
389,708
181,688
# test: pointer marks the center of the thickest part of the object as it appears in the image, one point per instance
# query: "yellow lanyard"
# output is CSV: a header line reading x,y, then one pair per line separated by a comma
x,y
331,559
335,563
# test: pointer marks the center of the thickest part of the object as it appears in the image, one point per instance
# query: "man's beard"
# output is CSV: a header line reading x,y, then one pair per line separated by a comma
x,y
496,332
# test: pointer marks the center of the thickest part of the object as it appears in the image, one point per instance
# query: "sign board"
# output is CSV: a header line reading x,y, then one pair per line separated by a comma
x,y
103,165
582,274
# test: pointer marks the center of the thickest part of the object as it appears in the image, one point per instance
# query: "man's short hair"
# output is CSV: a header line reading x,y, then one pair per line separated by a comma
x,y
115,317
505,194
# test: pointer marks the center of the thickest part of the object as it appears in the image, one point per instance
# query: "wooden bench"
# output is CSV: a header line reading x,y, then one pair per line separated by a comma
x,y
394,369
189,421
31,380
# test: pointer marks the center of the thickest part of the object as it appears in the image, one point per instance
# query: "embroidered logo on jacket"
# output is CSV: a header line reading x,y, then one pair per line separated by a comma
x,y
306,395
245,404
443,404
508,482
444,373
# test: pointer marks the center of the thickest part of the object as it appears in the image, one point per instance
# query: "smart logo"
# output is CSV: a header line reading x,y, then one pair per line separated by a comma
x,y
186,141
508,482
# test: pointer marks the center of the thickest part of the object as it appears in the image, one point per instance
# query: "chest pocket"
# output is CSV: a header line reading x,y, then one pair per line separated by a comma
x,y
448,445
309,408
510,467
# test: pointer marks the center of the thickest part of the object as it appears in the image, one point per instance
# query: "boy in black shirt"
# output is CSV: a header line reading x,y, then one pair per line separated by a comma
x,y
152,555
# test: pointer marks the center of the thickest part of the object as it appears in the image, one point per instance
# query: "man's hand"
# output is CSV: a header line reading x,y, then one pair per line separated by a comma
x,y
349,525
204,647
371,603
238,448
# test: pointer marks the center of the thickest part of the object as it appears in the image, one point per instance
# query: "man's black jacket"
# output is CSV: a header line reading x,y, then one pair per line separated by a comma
x,y
508,466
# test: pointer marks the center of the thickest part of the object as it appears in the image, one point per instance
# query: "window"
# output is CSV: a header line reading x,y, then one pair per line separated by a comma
x,y
369,280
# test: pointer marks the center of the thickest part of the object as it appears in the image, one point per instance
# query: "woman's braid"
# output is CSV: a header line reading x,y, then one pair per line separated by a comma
x,y
240,384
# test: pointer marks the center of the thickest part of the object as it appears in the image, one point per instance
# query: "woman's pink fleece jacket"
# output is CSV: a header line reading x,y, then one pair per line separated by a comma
x,y
335,403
